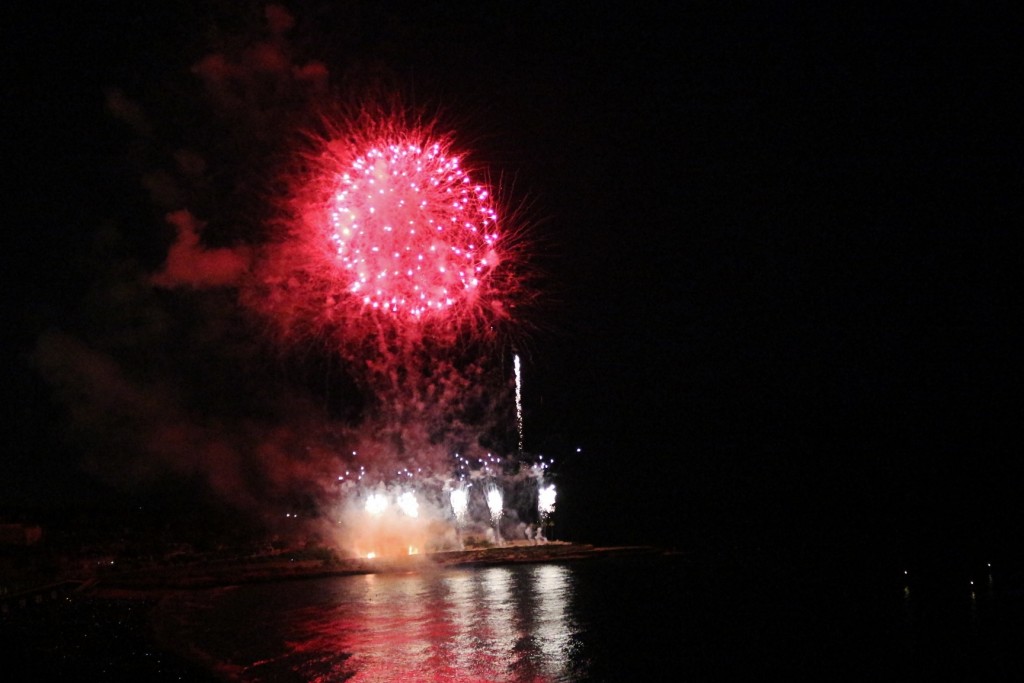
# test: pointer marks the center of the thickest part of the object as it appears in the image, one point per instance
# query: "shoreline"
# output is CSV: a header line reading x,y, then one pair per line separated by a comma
x,y
283,568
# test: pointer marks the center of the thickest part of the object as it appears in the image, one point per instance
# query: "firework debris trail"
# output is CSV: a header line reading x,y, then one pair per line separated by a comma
x,y
377,243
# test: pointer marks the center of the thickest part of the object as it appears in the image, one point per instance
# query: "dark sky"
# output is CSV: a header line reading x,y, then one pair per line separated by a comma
x,y
781,245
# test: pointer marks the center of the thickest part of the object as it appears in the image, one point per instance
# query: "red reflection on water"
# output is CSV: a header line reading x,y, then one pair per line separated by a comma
x,y
495,624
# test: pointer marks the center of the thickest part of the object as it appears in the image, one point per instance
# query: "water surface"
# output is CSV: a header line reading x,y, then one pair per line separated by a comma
x,y
608,619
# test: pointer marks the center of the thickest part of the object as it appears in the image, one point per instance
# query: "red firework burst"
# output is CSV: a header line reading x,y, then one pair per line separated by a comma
x,y
412,234
389,230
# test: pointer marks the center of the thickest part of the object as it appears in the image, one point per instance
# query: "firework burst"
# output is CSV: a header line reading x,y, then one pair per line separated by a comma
x,y
390,233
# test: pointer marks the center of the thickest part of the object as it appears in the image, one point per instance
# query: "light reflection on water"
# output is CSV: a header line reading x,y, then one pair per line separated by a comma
x,y
509,623
601,620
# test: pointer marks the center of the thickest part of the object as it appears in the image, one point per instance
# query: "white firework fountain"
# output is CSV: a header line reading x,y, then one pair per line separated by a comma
x,y
460,508
496,505
545,506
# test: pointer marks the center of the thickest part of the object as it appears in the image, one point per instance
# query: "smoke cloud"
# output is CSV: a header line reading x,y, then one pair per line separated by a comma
x,y
169,373
189,264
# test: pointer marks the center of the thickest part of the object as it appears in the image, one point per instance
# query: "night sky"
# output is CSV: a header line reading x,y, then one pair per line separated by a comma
x,y
780,247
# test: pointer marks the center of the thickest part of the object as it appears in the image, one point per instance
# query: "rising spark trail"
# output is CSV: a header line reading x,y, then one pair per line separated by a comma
x,y
519,400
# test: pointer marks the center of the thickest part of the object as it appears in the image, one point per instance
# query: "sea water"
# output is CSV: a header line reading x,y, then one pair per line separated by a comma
x,y
603,619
